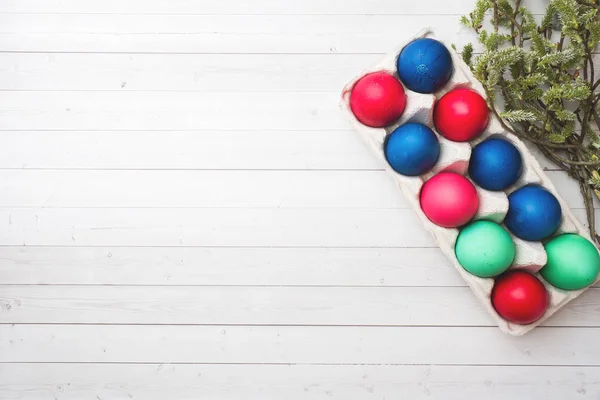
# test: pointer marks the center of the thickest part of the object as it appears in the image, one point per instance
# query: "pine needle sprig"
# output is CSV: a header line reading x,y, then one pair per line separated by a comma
x,y
543,74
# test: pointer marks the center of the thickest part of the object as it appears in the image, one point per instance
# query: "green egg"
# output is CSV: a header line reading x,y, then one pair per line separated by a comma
x,y
484,249
573,262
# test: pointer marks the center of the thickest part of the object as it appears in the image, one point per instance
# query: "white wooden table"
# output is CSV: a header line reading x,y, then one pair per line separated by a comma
x,y
186,215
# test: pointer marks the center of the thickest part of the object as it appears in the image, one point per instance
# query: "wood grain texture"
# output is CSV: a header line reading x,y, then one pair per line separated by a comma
x,y
260,7
222,227
201,266
193,33
232,305
170,111
185,214
271,227
227,266
297,345
185,150
215,189
177,110
222,34
273,382
182,72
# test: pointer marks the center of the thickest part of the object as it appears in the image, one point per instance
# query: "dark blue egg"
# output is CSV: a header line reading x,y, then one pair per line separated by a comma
x,y
495,164
424,65
412,149
533,213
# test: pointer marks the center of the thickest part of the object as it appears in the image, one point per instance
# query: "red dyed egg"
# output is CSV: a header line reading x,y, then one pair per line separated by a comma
x,y
461,115
519,297
377,99
449,200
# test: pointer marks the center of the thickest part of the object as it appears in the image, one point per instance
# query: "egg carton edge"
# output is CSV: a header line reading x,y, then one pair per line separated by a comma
x,y
530,255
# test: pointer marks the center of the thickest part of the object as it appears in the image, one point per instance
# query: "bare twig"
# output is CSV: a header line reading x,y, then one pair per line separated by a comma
x,y
570,151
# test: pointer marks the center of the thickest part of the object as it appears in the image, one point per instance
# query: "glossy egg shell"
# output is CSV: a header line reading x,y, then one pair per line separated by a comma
x,y
412,149
484,248
461,115
449,200
519,297
424,65
377,99
573,262
495,164
533,213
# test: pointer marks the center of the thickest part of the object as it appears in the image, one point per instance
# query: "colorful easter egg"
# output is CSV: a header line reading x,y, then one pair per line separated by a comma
x,y
573,262
495,164
519,297
461,115
533,213
377,99
412,149
424,65
449,200
484,249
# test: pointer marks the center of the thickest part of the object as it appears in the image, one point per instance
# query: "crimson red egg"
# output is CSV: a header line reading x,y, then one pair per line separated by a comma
x,y
461,115
449,200
519,297
377,99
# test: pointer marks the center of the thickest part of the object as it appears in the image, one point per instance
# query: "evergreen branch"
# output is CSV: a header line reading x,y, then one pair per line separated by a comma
x,y
518,116
536,82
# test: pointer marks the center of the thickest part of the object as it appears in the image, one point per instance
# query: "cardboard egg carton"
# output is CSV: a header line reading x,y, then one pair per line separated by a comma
x,y
454,156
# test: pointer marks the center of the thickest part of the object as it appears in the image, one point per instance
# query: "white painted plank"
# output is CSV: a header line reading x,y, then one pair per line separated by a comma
x,y
280,149
171,111
226,266
271,227
294,382
213,227
233,305
261,7
255,111
302,345
218,189
188,72
252,150
200,189
201,266
196,34
143,33
182,72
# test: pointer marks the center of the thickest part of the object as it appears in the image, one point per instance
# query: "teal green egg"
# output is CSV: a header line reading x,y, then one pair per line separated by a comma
x,y
484,249
573,262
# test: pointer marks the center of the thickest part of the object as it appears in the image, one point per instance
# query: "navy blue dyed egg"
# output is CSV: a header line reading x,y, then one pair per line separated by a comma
x,y
495,164
424,65
412,149
533,213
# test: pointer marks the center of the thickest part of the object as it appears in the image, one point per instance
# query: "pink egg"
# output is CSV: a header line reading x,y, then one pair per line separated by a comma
x,y
377,99
449,200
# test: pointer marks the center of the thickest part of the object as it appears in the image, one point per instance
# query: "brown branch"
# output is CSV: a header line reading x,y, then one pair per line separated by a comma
x,y
513,19
589,4
584,163
591,61
527,137
585,61
552,157
495,3
574,156
560,42
586,193
596,117
595,85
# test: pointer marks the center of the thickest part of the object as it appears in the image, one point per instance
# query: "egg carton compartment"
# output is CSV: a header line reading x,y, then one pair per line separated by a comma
x,y
454,156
